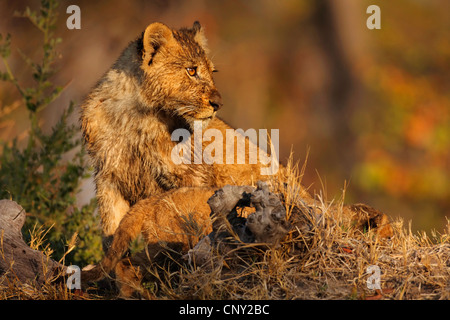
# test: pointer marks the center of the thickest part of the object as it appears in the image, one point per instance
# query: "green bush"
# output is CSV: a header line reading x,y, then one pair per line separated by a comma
x,y
44,176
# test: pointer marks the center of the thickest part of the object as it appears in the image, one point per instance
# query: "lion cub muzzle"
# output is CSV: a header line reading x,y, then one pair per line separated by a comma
x,y
215,100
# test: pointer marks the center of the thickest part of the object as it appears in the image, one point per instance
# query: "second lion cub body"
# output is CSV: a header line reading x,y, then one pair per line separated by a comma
x,y
178,218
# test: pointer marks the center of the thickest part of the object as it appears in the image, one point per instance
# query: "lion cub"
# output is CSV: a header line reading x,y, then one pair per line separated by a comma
x,y
162,81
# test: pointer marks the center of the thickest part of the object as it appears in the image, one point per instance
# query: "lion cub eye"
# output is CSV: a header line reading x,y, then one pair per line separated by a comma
x,y
192,71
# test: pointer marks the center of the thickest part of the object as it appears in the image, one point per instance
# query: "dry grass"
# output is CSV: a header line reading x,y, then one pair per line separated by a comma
x,y
323,257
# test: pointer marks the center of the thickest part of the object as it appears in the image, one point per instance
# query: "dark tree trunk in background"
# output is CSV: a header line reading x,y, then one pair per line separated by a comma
x,y
339,25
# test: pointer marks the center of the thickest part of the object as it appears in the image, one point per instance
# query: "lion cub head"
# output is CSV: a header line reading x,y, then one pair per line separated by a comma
x,y
178,74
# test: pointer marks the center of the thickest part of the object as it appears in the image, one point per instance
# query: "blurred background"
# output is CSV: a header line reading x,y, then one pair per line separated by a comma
x,y
371,106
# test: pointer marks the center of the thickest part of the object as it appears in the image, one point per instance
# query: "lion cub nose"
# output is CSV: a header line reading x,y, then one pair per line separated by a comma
x,y
216,101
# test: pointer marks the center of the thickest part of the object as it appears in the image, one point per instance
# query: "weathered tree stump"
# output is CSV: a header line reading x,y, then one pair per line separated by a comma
x,y
18,262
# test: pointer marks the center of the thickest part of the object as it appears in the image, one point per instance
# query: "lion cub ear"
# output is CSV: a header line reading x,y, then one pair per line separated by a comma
x,y
199,36
155,35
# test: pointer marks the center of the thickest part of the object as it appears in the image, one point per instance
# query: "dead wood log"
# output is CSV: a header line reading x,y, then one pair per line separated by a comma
x,y
17,260
267,225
